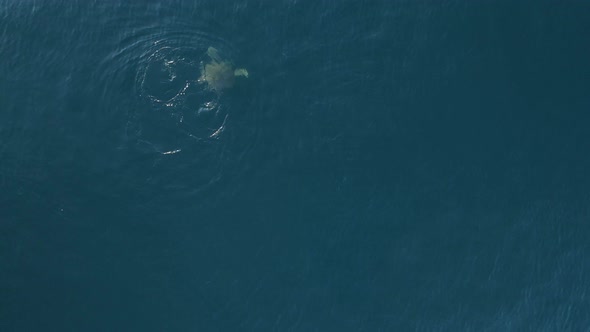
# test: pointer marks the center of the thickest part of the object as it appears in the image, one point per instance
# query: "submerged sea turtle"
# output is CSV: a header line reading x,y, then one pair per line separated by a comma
x,y
219,73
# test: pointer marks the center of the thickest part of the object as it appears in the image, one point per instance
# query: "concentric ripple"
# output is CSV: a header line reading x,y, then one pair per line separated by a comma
x,y
168,79
191,136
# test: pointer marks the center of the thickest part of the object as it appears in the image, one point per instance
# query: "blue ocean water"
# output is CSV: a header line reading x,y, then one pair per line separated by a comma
x,y
385,166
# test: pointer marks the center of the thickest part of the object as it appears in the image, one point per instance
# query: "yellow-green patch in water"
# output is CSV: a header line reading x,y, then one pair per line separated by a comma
x,y
219,73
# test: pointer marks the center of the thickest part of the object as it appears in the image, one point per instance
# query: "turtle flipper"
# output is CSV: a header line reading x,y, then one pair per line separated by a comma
x,y
241,72
213,53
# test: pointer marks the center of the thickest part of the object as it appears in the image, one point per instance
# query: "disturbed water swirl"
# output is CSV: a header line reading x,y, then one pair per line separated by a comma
x,y
190,135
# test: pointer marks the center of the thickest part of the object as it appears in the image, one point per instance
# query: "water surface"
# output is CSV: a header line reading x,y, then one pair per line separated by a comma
x,y
386,166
